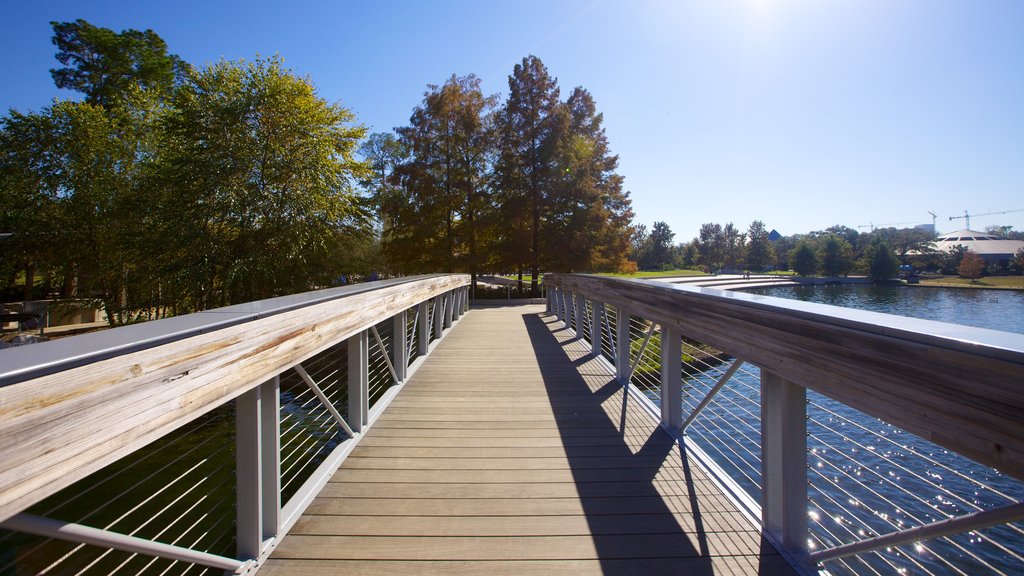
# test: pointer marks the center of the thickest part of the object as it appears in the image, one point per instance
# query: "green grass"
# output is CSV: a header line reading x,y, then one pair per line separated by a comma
x,y
1004,282
655,274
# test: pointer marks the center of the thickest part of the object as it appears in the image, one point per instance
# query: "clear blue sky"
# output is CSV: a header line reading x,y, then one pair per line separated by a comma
x,y
803,114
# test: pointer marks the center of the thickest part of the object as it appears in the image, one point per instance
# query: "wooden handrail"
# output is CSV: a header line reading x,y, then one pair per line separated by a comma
x,y
959,387
64,416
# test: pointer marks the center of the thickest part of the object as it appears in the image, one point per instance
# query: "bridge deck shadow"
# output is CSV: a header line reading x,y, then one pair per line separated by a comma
x,y
512,451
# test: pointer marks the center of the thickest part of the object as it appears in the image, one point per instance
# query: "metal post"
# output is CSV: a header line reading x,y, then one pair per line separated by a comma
x,y
247,476
580,303
438,316
784,461
270,449
622,346
358,381
449,308
596,322
549,300
671,378
399,352
424,328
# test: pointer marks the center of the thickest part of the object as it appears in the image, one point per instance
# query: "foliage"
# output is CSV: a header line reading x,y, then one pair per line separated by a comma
x,y
953,257
803,259
655,251
259,173
835,255
436,216
972,266
760,251
106,65
1017,262
881,260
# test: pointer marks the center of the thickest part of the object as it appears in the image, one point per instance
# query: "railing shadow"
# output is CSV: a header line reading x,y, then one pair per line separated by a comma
x,y
632,521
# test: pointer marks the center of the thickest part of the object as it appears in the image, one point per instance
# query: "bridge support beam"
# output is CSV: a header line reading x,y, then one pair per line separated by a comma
x,y
622,341
423,325
671,379
358,381
784,461
258,465
399,345
596,326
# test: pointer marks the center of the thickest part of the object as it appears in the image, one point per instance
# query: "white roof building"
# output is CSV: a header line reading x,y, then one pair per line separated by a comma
x,y
992,248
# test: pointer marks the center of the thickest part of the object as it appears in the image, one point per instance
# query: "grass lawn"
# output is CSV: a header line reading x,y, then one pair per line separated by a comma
x,y
656,274
1006,282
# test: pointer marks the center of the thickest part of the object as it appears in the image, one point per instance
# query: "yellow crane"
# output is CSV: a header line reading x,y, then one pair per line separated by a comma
x,y
967,217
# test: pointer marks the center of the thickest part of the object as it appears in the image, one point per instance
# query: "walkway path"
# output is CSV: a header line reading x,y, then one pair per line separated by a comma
x,y
511,451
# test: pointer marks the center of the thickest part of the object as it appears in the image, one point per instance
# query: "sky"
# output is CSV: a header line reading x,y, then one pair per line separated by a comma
x,y
801,114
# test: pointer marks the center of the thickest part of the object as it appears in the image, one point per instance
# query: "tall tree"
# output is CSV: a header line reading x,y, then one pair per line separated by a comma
x,y
881,260
835,255
659,256
261,172
525,164
104,65
438,223
711,246
803,259
971,266
760,252
733,245
586,225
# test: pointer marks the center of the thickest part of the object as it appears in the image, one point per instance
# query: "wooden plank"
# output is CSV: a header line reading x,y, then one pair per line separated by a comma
x,y
58,428
939,382
570,476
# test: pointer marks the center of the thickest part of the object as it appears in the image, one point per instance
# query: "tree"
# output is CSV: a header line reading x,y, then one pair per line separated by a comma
x,y
881,260
711,247
733,246
104,65
802,259
835,255
438,221
760,252
1017,262
258,181
586,225
659,253
971,266
951,261
525,164
74,177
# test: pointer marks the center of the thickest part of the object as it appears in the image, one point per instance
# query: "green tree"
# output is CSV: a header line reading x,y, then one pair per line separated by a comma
x,y
881,260
659,254
803,259
258,180
439,222
104,65
587,222
760,251
835,255
526,164
971,266
951,260
711,247
733,246
1017,262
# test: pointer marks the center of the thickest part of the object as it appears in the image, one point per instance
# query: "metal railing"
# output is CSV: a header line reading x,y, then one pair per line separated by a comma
x,y
192,444
802,411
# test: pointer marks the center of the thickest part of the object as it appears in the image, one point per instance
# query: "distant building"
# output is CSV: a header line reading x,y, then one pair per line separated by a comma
x,y
774,236
994,249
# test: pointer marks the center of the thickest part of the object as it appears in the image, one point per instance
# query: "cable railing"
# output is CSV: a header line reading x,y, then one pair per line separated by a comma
x,y
803,411
191,445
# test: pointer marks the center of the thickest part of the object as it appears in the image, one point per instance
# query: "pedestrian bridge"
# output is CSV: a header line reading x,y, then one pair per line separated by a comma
x,y
392,428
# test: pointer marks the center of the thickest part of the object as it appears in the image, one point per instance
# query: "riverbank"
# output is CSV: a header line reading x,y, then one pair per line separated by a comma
x,y
986,283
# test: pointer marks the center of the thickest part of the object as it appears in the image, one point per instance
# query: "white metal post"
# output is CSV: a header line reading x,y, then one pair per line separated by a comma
x,y
784,461
399,350
596,322
622,342
449,308
270,449
671,378
423,324
438,315
358,381
248,502
580,302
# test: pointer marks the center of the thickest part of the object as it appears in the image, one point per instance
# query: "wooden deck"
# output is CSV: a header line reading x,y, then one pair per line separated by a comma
x,y
510,451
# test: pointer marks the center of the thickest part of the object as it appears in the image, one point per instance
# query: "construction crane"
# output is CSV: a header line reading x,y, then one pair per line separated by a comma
x,y
933,219
873,226
967,217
